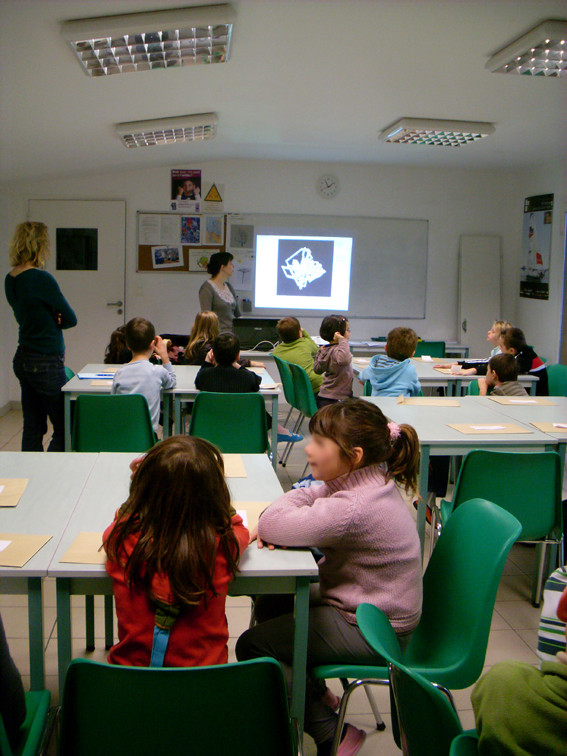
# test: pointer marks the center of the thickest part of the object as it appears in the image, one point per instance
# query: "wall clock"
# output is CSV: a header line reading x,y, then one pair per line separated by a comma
x,y
327,186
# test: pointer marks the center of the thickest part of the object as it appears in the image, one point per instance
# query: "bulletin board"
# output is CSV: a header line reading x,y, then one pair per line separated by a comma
x,y
178,242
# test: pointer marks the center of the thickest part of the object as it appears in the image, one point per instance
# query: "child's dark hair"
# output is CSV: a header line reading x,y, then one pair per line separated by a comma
x,y
288,329
226,347
356,422
331,324
179,506
139,334
505,366
117,351
216,262
513,338
401,343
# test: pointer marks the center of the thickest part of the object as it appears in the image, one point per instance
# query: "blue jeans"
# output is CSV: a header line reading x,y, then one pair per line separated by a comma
x,y
41,377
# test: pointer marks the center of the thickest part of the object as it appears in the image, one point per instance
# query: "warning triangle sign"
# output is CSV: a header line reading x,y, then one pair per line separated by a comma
x,y
213,195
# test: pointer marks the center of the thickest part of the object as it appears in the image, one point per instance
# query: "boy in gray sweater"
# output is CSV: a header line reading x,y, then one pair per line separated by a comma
x,y
502,377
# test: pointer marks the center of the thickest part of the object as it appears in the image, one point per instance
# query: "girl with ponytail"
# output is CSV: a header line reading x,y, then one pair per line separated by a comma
x,y
371,551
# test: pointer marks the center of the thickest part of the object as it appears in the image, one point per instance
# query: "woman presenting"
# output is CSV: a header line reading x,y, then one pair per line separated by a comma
x,y
42,312
217,294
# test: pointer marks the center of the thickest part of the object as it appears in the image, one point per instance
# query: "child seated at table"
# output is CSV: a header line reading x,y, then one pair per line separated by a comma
x,y
361,523
502,377
204,332
297,346
173,549
479,367
117,352
222,372
392,374
513,341
334,360
139,376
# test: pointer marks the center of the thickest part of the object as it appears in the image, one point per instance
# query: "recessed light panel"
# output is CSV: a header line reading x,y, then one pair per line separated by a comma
x,y
542,51
435,132
159,39
195,128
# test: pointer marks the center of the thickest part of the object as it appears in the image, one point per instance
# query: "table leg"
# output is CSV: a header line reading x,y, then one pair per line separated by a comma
x,y
166,414
35,622
177,415
64,649
300,650
108,622
533,388
422,501
67,421
89,622
275,431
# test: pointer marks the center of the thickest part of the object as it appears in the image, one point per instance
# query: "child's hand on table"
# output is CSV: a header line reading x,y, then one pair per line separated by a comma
x,y
255,537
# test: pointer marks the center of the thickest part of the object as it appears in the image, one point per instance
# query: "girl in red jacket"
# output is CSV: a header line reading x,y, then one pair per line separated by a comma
x,y
172,551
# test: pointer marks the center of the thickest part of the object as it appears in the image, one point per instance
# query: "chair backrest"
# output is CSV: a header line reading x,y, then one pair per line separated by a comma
x,y
367,390
472,388
303,391
459,591
225,709
286,379
427,721
30,734
112,423
557,380
69,373
236,423
430,348
527,484
465,744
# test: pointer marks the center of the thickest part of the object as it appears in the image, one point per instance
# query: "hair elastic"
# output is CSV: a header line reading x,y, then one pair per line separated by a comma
x,y
395,431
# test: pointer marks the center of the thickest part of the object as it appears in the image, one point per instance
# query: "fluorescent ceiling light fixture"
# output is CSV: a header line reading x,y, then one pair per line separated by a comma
x,y
542,51
158,39
192,128
435,132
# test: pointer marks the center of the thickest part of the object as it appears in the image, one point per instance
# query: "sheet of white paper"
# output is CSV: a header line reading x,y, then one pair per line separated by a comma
x,y
426,358
94,375
488,427
244,514
523,401
4,545
1,489
560,425
170,229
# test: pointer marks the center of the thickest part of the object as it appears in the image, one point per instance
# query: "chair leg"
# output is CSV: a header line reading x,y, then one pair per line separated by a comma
x,y
540,576
343,707
108,623
89,622
289,446
380,725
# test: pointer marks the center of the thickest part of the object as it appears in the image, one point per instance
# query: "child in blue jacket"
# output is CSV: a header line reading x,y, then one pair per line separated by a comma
x,y
392,374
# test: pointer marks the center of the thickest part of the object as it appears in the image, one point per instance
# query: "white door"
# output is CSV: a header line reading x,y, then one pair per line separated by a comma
x,y
96,295
480,266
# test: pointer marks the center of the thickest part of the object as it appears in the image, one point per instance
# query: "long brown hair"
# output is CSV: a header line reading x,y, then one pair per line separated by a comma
x,y
205,329
30,244
356,422
179,506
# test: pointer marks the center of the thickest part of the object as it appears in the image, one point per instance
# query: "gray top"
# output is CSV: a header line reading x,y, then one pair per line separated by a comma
x,y
210,299
141,377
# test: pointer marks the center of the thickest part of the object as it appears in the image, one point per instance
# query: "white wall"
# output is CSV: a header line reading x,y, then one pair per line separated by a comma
x,y
454,202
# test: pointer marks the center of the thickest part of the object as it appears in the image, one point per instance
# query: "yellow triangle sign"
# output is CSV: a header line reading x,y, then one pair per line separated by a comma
x,y
213,195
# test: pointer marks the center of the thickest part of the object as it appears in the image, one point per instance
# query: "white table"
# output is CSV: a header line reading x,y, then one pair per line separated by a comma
x,y
184,391
436,437
455,383
260,571
55,482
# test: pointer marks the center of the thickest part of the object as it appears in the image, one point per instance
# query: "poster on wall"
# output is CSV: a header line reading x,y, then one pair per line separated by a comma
x,y
199,259
536,247
167,257
186,189
191,229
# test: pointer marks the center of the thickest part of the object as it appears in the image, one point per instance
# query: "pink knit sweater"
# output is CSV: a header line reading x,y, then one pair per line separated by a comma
x,y
369,539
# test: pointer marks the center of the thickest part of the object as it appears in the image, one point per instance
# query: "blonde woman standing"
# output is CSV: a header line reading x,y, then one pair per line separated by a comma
x,y
42,312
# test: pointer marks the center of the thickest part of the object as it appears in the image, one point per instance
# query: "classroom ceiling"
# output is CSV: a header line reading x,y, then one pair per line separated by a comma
x,y
306,80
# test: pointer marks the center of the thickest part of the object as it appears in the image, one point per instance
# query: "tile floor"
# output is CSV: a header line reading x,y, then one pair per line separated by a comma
x,y
513,633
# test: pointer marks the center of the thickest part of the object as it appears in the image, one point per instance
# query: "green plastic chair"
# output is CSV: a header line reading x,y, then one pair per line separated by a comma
x,y
557,379
236,423
527,484
304,398
427,721
235,709
430,348
367,390
459,590
69,373
287,384
472,389
112,423
465,744
31,731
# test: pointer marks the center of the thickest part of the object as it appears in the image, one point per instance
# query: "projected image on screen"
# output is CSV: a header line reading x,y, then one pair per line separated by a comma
x,y
305,269
302,272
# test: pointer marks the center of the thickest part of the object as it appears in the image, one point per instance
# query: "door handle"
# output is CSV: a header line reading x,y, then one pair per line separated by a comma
x,y
464,325
115,304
